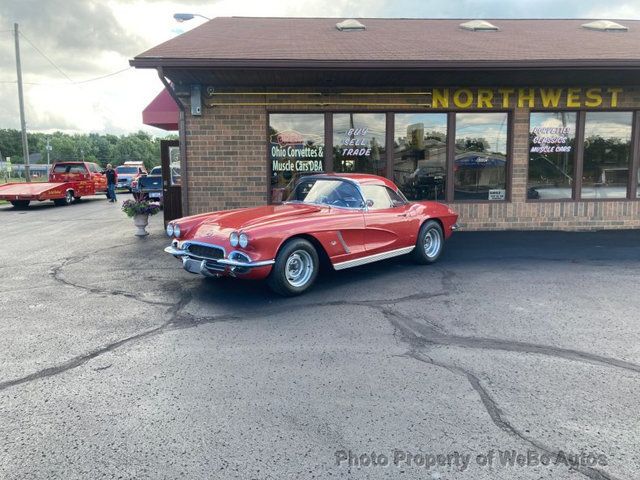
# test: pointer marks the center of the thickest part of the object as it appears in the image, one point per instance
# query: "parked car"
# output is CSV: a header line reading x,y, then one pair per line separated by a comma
x,y
68,181
345,219
148,187
127,172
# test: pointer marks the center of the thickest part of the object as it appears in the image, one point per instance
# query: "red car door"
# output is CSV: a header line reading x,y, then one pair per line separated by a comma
x,y
98,179
389,225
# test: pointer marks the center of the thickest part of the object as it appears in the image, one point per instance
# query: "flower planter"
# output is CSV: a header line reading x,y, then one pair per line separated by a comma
x,y
141,221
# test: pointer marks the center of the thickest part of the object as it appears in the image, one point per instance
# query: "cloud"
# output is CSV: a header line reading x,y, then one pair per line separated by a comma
x,y
89,38
71,27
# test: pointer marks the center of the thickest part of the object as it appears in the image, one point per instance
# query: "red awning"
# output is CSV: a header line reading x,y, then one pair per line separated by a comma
x,y
162,112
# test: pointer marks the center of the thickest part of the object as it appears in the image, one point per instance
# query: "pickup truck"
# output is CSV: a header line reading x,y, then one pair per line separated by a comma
x,y
148,187
68,181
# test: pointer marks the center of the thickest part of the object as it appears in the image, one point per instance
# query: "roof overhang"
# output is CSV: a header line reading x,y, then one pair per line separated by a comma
x,y
331,75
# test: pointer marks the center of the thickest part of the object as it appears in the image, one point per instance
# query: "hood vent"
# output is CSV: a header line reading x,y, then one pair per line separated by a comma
x,y
605,26
479,26
350,25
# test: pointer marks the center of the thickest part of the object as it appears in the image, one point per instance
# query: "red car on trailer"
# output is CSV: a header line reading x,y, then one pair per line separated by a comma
x,y
345,219
68,181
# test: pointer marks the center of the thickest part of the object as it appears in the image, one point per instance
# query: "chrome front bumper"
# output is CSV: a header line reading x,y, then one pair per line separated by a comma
x,y
213,267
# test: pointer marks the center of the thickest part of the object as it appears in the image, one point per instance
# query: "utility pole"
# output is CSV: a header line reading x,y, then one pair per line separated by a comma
x,y
49,148
23,123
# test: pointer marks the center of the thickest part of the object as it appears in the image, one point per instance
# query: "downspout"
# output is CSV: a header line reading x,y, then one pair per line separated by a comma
x,y
182,136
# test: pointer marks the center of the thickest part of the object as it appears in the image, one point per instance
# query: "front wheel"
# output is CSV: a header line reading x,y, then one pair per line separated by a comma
x,y
430,243
296,268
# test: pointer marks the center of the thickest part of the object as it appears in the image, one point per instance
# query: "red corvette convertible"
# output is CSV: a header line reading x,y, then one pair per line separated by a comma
x,y
346,220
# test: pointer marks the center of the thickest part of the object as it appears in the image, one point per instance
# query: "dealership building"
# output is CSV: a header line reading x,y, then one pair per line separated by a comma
x,y
516,124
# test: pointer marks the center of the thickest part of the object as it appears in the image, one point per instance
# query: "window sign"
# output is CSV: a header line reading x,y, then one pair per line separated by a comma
x,y
551,155
296,148
359,143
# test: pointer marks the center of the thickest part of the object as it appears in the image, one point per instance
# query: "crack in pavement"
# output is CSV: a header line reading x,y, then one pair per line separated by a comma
x,y
427,334
56,273
79,360
417,334
497,416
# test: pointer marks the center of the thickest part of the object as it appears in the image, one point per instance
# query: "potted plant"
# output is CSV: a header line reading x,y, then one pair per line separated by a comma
x,y
140,211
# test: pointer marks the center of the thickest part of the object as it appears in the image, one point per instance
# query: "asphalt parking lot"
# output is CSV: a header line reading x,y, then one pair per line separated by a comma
x,y
115,363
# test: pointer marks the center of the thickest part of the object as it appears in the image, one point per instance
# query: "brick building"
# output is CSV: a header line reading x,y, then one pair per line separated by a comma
x,y
518,124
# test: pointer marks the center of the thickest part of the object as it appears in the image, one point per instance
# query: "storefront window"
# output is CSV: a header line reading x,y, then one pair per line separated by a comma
x,y
420,155
551,155
296,147
607,154
480,165
359,143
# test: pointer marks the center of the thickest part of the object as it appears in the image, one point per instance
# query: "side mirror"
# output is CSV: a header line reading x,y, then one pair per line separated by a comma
x,y
369,203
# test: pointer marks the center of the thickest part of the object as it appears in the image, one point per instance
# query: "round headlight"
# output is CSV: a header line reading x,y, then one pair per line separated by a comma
x,y
233,239
170,229
243,240
176,231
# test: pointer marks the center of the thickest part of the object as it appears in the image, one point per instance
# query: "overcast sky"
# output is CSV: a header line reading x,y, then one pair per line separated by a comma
x,y
86,39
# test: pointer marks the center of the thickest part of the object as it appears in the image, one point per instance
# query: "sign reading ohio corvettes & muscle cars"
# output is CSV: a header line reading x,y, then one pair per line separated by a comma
x,y
293,151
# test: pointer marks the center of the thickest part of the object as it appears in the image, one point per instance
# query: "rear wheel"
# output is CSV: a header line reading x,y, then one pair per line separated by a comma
x,y
430,243
20,203
296,268
67,200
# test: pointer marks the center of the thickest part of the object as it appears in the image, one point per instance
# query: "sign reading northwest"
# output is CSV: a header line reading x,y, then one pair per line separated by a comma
x,y
593,97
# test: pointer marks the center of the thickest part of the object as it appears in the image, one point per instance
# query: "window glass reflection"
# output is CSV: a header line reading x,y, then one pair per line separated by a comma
x,y
480,168
296,148
359,143
607,154
420,155
551,155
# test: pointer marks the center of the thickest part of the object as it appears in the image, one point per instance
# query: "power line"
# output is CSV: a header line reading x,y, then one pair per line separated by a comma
x,y
72,83
103,76
47,58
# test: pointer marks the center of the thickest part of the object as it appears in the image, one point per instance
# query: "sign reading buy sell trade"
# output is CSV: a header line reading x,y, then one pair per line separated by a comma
x,y
591,97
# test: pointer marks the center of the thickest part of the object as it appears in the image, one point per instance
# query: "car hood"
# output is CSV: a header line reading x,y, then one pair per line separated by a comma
x,y
252,217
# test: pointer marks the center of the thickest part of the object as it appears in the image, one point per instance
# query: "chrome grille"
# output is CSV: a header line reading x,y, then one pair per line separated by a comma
x,y
204,251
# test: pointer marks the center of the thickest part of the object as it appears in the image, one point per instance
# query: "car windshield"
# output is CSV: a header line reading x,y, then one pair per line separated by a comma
x,y
127,169
333,192
156,171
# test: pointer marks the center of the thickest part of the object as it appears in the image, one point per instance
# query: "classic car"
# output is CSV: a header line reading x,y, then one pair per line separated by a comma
x,y
345,220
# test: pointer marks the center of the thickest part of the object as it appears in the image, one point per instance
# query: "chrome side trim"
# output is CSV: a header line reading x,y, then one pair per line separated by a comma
x,y
343,243
373,258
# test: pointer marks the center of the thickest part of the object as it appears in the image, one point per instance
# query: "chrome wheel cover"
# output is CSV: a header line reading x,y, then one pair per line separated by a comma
x,y
299,268
432,243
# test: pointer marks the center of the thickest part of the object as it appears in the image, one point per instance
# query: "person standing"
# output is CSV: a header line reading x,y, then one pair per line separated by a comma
x,y
112,180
